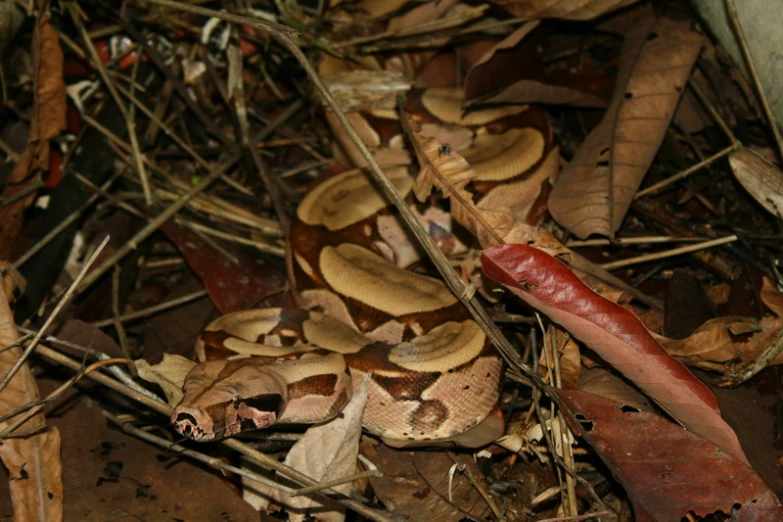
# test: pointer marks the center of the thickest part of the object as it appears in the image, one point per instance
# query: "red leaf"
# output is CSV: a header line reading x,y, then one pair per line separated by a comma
x,y
615,334
665,470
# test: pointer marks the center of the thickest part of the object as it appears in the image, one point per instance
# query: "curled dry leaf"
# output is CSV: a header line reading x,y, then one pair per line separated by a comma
x,y
666,471
365,89
762,179
594,191
724,342
562,9
33,462
615,334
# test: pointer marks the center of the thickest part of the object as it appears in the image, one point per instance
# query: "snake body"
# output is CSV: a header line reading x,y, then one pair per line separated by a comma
x,y
431,374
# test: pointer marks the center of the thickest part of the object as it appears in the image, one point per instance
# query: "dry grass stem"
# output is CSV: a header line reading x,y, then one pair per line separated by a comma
x,y
669,253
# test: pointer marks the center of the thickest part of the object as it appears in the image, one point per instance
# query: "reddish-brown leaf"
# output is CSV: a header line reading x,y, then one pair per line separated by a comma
x,y
594,191
666,471
232,287
614,333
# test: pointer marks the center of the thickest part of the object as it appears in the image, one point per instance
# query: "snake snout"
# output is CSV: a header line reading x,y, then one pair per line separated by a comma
x,y
187,423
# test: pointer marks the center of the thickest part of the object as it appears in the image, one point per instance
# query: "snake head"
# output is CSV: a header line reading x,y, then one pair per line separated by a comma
x,y
224,398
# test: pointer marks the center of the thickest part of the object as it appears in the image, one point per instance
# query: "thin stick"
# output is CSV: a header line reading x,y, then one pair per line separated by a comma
x,y
669,253
130,125
337,482
687,172
155,223
731,10
64,301
647,240
62,226
33,408
115,311
146,312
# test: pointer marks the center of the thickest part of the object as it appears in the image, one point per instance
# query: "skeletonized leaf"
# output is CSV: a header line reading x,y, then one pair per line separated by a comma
x,y
594,191
615,334
562,9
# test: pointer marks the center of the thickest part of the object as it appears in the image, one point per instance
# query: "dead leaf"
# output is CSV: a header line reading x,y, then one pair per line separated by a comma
x,y
614,333
562,9
602,383
169,374
326,452
33,461
231,287
762,179
47,121
594,191
666,471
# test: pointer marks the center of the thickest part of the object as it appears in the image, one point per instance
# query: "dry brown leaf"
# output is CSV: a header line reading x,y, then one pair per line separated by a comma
x,y
762,179
419,16
725,340
594,191
33,462
47,121
563,9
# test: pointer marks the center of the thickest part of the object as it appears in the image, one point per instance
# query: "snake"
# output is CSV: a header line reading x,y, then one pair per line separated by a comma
x,y
430,373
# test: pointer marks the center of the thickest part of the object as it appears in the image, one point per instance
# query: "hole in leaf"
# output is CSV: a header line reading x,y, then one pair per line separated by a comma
x,y
628,95
582,420
602,163
652,36
604,151
629,409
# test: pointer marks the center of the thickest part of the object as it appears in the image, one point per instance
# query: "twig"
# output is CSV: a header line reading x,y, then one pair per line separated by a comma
x,y
669,253
337,482
130,125
146,312
731,10
62,226
647,240
33,408
64,301
155,223
115,312
687,172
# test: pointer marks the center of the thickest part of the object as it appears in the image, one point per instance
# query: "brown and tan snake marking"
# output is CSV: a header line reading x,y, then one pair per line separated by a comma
x,y
431,373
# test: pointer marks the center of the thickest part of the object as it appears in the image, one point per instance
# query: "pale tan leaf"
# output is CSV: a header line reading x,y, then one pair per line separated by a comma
x,y
169,374
594,191
609,386
33,461
762,179
326,452
562,9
